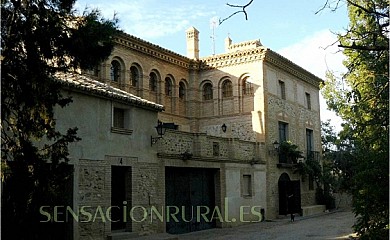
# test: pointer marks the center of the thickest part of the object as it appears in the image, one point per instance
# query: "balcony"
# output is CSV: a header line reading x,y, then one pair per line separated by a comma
x,y
202,147
286,161
288,154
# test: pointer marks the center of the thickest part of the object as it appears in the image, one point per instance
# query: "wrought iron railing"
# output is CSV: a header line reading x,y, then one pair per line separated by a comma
x,y
313,155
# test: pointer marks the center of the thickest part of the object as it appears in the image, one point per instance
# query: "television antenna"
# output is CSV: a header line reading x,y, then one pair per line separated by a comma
x,y
214,22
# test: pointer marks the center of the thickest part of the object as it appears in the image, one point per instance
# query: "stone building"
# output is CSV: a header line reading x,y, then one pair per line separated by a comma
x,y
216,164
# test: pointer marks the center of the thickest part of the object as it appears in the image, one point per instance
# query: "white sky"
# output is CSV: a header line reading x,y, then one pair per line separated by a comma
x,y
290,28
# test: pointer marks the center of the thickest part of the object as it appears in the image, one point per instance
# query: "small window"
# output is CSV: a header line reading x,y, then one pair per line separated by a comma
x,y
227,89
134,74
153,82
119,118
207,91
168,86
121,121
282,90
247,185
308,101
182,90
115,71
247,87
215,149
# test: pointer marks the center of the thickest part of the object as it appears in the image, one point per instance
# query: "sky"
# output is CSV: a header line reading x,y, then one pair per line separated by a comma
x,y
290,28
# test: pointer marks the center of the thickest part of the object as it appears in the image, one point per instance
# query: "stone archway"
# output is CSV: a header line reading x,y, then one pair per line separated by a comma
x,y
289,195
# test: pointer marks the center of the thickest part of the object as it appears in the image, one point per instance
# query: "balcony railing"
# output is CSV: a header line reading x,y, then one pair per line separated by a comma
x,y
313,155
200,146
283,158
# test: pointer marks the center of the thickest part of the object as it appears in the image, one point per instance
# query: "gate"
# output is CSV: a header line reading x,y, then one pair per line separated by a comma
x,y
187,189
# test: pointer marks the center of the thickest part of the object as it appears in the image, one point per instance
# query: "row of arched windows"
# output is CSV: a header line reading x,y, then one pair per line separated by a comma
x,y
207,89
227,89
115,75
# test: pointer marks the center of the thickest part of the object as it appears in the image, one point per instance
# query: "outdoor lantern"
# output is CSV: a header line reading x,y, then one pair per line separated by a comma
x,y
160,128
160,131
224,127
276,145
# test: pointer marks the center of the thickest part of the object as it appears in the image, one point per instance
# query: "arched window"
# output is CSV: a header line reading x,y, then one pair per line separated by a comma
x,y
207,91
153,82
134,76
227,89
96,70
115,70
247,87
168,86
182,90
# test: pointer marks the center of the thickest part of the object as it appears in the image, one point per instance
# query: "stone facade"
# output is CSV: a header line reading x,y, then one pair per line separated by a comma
x,y
240,89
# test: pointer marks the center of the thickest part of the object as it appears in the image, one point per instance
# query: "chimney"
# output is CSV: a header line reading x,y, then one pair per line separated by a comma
x,y
192,43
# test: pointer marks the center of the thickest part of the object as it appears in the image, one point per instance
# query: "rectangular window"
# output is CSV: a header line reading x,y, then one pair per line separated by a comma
x,y
309,142
283,132
282,90
246,185
308,101
121,120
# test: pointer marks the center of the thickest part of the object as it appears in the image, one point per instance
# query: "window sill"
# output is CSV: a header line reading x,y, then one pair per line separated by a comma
x,y
121,131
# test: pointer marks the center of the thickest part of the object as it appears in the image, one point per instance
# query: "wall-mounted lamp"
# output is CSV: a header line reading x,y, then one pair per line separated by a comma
x,y
160,131
224,127
275,150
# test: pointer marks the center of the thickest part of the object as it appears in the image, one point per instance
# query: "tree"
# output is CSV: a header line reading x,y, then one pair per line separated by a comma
x,y
38,39
362,101
337,159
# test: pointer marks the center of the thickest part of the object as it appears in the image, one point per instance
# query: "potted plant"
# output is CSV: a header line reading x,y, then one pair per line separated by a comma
x,y
289,153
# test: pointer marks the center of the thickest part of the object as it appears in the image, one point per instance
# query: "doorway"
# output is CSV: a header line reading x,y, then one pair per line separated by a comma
x,y
121,189
289,195
189,188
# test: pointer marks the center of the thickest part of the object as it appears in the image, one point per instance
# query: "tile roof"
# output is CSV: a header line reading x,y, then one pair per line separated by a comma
x,y
83,83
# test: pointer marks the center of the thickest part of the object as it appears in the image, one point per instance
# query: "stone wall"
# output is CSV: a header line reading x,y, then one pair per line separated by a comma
x,y
293,111
201,145
94,191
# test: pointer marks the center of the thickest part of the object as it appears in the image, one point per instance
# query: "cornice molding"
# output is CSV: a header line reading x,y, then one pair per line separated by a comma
x,y
238,57
245,45
290,67
231,59
129,41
